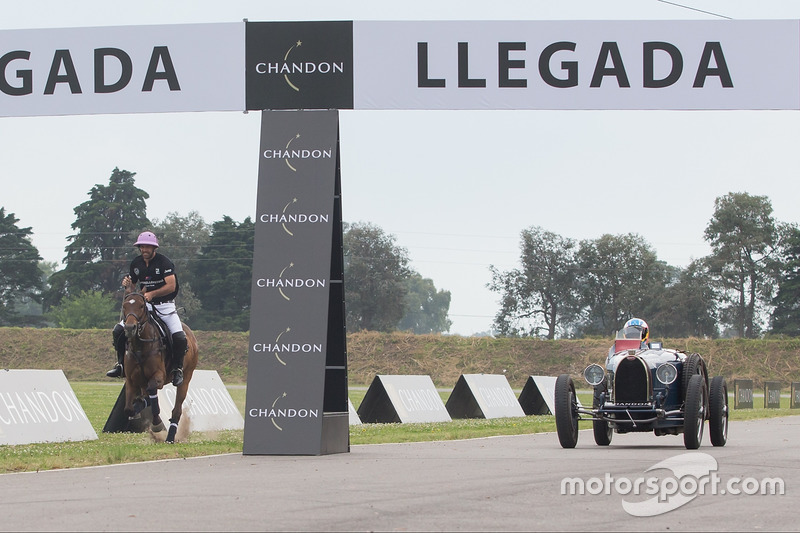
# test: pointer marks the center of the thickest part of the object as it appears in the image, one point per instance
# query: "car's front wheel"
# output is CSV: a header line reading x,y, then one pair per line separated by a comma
x,y
694,364
694,412
602,429
718,411
566,404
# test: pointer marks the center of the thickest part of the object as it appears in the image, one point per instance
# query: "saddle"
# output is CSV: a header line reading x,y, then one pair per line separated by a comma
x,y
166,338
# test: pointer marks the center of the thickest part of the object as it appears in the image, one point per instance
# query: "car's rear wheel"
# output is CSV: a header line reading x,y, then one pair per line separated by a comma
x,y
694,412
718,411
566,404
602,429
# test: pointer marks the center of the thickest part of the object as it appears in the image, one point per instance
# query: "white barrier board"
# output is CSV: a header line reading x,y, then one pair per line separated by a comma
x,y
40,406
208,403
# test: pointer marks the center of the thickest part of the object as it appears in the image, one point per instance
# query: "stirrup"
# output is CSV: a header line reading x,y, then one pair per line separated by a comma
x,y
177,377
116,372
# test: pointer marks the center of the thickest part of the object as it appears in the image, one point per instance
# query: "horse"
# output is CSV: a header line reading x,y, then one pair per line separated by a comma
x,y
146,363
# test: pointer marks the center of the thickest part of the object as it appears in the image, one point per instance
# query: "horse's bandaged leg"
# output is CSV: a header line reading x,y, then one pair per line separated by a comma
x,y
153,401
173,429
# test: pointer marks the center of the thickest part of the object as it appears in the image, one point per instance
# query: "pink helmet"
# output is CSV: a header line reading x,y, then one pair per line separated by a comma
x,y
147,237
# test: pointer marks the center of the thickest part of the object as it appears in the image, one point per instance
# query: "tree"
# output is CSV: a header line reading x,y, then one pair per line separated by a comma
x,y
86,310
542,291
100,251
685,307
425,307
375,274
619,274
29,312
19,270
182,239
222,276
785,319
742,235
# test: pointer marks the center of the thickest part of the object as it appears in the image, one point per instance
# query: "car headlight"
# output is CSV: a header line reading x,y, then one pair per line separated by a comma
x,y
666,373
594,374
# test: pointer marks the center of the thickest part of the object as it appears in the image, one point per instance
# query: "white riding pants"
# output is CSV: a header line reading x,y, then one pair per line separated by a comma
x,y
169,314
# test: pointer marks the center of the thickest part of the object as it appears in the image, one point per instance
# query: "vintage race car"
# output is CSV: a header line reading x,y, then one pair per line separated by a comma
x,y
645,387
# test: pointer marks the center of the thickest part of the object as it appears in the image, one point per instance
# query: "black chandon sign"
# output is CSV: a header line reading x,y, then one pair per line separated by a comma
x,y
296,370
299,65
742,393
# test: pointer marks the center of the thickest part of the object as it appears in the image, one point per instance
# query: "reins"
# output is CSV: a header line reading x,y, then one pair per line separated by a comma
x,y
141,323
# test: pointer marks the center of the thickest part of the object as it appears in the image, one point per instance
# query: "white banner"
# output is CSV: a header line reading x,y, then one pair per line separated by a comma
x,y
577,65
40,406
715,65
126,69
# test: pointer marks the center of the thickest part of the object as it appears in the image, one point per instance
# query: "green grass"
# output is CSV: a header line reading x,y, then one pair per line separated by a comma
x,y
97,400
457,429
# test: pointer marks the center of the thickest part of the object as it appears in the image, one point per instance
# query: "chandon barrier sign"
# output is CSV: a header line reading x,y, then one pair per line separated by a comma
x,y
40,406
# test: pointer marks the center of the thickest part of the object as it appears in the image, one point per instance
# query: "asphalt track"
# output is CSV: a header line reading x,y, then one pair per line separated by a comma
x,y
493,484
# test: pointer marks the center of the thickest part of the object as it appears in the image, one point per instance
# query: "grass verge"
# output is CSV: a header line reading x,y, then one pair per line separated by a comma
x,y
97,400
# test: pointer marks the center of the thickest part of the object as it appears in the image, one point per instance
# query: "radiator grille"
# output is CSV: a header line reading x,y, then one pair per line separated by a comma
x,y
632,382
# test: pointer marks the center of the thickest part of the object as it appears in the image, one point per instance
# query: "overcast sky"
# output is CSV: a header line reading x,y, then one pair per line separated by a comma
x,y
454,187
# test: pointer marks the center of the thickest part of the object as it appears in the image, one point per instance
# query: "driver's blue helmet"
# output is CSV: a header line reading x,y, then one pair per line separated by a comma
x,y
634,326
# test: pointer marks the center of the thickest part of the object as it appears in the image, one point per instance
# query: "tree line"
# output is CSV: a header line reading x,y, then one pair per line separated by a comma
x,y
213,264
748,286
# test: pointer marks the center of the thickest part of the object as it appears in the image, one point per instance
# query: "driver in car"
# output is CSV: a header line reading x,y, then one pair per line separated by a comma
x,y
636,328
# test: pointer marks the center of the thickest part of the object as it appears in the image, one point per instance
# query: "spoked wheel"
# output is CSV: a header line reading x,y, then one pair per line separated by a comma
x,y
694,412
602,429
718,411
566,404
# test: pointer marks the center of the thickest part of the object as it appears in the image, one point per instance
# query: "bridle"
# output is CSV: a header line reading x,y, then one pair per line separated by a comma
x,y
141,321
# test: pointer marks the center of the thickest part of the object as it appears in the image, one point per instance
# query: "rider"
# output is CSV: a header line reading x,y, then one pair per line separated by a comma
x,y
159,284
636,328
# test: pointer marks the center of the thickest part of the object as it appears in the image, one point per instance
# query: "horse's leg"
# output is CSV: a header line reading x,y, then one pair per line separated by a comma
x,y
131,408
177,411
138,406
152,395
190,362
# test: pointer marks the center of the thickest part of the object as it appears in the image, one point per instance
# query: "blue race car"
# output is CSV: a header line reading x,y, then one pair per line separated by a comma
x,y
645,387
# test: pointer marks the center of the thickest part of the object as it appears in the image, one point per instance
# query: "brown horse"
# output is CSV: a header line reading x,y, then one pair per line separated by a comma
x,y
146,364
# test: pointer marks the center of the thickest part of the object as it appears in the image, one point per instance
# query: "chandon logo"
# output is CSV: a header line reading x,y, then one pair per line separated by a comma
x,y
276,411
292,69
288,216
289,152
281,345
285,281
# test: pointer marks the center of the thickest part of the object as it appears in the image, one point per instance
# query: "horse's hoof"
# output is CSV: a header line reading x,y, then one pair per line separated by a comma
x,y
160,427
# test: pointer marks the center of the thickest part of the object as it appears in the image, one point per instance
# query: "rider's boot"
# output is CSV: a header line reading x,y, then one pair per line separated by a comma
x,y
179,348
119,345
